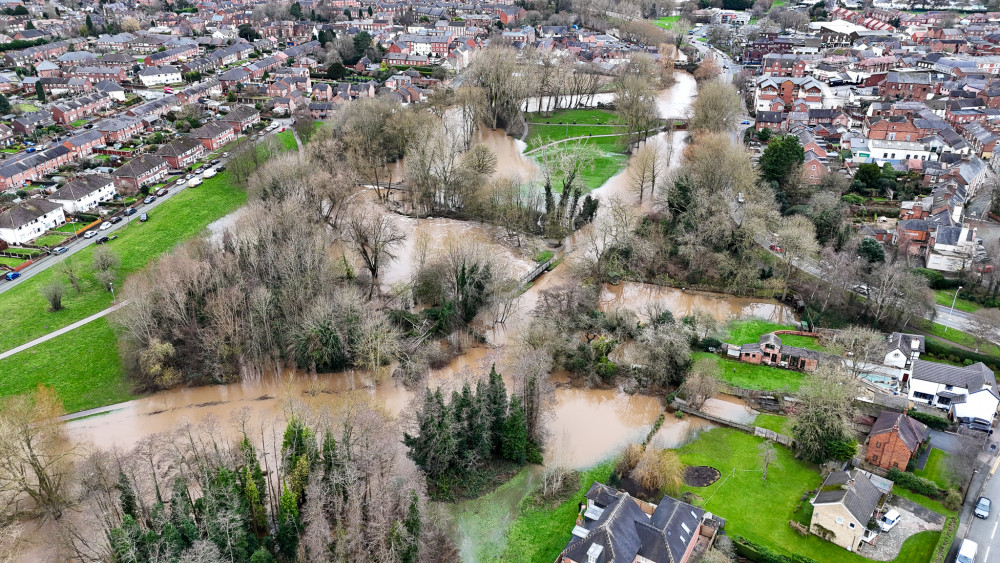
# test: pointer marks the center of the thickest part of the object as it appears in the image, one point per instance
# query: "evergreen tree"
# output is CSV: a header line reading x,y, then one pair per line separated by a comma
x,y
515,433
289,524
298,441
295,11
496,407
331,464
89,23
126,496
412,524
39,91
478,443
4,105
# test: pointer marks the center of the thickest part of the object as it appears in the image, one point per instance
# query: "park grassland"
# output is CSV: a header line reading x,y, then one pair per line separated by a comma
x,y
286,140
567,124
83,364
668,21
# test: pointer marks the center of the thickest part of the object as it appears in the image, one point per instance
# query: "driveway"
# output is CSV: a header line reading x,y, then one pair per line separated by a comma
x,y
913,519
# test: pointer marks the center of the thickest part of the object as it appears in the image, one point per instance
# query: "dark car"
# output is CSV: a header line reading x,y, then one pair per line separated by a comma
x,y
130,211
162,192
144,217
116,220
215,161
149,199
983,508
103,240
220,168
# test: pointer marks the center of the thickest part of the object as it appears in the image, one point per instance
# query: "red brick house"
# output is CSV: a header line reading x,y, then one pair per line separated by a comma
x,y
908,85
770,351
181,152
139,172
214,135
241,118
894,440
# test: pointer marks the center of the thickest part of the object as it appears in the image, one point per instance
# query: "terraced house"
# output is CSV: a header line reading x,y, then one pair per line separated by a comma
x,y
84,192
26,221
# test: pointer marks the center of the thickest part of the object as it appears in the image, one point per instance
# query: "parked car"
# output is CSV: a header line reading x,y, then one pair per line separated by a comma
x,y
215,161
225,155
90,234
220,168
180,183
11,276
209,173
103,240
130,211
106,225
983,508
860,288
162,192
745,122
194,183
889,520
59,250
144,217
149,199
117,219
967,552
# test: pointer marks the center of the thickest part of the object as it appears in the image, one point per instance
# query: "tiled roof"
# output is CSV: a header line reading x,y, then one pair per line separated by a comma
x,y
973,377
910,431
854,490
26,212
81,186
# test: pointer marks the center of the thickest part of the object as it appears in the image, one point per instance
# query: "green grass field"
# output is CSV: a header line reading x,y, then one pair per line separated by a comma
x,y
937,469
81,365
577,123
539,535
749,331
12,262
753,376
79,122
774,423
945,296
958,337
739,495
69,227
286,140
50,240
667,22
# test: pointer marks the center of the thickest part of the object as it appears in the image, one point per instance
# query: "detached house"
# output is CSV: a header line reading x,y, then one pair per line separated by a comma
x,y
615,527
770,351
847,501
968,393
84,193
26,221
894,440
139,172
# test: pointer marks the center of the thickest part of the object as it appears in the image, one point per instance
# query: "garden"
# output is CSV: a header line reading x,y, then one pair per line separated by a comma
x,y
754,376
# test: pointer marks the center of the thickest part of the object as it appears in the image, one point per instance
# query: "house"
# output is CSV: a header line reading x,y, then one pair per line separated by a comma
x,y
846,502
139,172
28,122
957,389
902,350
894,440
617,527
214,135
27,220
241,118
770,351
119,129
83,144
181,152
68,111
157,75
84,193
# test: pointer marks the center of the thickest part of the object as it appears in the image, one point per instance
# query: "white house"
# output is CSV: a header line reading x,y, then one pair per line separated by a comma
x,y
157,75
952,248
28,220
901,352
84,192
883,151
955,389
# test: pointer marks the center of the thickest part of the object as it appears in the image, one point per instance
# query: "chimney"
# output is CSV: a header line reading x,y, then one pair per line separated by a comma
x,y
594,552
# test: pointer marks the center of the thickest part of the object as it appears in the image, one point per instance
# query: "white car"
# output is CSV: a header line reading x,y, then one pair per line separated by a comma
x,y
105,226
210,172
181,182
194,182
90,234
889,520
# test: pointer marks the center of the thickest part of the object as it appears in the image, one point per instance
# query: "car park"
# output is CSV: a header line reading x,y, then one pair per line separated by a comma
x,y
149,199
11,276
115,220
162,192
105,226
144,217
983,508
90,234
59,250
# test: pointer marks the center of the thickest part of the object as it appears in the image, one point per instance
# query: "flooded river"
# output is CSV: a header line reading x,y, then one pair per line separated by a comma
x,y
640,297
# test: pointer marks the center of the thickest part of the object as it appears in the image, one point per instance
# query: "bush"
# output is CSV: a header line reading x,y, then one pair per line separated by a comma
x,y
932,422
939,349
936,280
763,554
943,545
913,483
952,500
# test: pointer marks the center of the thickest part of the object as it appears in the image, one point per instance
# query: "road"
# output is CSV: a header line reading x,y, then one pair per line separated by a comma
x,y
47,262
984,532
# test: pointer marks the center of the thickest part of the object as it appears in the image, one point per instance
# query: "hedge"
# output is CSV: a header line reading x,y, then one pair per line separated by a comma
x,y
763,554
933,422
936,279
941,350
919,485
943,545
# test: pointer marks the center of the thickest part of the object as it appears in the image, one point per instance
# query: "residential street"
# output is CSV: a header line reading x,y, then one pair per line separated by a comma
x,y
983,532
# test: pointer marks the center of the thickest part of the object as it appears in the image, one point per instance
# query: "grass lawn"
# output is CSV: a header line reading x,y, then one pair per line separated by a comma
x,y
50,240
79,122
539,535
77,364
28,107
937,469
667,22
69,228
807,342
944,297
610,162
774,422
958,337
753,376
487,518
177,219
923,501
286,140
750,331
25,251
739,496
10,261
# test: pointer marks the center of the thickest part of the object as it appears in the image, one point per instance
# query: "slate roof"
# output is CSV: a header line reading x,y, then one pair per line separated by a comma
x,y
904,342
81,186
210,130
624,531
26,212
178,146
138,167
853,490
973,377
910,431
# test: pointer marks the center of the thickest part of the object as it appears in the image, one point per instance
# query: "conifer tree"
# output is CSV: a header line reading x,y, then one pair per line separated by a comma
x,y
496,407
515,433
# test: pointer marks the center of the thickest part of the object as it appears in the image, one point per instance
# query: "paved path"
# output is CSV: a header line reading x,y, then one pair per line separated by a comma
x,y
570,139
63,330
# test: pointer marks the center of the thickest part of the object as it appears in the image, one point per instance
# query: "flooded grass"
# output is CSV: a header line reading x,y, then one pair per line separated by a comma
x,y
481,524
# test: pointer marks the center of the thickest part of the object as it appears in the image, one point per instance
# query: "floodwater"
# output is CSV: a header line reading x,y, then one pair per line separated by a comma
x,y
640,297
673,102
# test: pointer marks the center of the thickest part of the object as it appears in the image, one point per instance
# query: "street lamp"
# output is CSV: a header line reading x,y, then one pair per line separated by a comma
x,y
111,286
953,300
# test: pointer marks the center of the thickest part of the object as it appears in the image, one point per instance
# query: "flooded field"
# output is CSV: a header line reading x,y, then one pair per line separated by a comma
x,y
641,297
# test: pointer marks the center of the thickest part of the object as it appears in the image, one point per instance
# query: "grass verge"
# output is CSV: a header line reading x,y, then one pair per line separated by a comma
x,y
286,140
774,423
945,297
937,469
958,337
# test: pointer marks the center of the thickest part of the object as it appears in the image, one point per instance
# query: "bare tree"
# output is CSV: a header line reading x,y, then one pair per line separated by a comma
x,y
53,293
709,69
635,99
646,168
375,237
503,82
798,239
71,270
702,383
716,109
985,326
861,347
767,455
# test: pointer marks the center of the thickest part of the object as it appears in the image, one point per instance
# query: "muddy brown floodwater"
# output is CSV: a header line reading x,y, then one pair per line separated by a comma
x,y
639,297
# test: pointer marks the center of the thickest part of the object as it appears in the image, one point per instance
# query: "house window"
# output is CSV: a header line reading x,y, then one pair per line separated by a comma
x,y
840,520
878,444
851,525
922,396
948,387
874,458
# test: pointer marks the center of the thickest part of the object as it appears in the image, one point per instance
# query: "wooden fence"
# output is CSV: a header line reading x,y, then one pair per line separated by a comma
x,y
771,435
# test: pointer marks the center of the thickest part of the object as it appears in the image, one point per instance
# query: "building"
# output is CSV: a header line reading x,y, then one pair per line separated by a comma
x,y
770,351
28,220
181,152
846,502
615,527
893,440
84,193
955,389
68,111
241,118
158,75
214,135
139,172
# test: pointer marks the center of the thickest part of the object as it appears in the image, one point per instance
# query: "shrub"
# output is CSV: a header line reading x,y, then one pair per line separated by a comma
x,y
932,422
952,500
763,554
943,545
842,450
913,483
939,349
